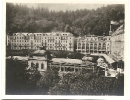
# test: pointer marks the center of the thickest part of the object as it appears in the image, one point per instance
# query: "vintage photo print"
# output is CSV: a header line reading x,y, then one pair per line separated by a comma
x,y
65,49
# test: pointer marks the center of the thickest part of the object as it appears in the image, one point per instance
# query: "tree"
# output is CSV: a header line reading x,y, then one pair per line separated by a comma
x,y
67,28
19,80
15,76
33,77
88,84
49,79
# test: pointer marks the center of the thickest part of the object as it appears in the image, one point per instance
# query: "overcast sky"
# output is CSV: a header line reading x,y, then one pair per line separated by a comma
x,y
64,7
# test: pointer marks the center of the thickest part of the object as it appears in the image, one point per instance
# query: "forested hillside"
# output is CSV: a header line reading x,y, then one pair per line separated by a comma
x,y
20,18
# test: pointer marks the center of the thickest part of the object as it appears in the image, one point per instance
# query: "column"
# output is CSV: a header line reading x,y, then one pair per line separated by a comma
x,y
50,66
89,47
81,47
101,47
93,47
93,68
64,68
77,46
85,46
97,47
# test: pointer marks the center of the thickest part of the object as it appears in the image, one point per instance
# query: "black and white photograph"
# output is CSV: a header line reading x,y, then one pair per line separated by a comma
x,y
65,49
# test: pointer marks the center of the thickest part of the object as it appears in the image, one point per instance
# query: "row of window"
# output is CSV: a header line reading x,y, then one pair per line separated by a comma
x,y
48,48
20,40
37,41
43,44
94,39
19,44
93,48
59,48
37,65
92,44
34,37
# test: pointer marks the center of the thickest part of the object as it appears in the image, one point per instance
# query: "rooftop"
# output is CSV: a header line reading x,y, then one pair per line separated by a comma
x,y
45,34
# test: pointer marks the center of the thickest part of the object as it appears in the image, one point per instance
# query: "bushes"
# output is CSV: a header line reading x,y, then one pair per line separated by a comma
x,y
88,84
60,54
18,52
75,55
67,54
49,79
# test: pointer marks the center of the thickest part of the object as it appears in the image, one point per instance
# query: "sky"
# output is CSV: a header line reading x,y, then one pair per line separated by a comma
x,y
64,7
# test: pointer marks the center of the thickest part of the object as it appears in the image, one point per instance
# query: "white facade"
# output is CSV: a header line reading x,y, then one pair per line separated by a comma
x,y
39,62
93,44
52,41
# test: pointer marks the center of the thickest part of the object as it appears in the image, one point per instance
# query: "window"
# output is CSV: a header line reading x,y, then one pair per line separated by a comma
x,y
79,46
31,64
95,46
104,46
37,65
83,46
42,66
99,46
91,46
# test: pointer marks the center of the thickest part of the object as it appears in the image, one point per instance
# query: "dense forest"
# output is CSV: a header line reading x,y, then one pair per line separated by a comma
x,y
20,18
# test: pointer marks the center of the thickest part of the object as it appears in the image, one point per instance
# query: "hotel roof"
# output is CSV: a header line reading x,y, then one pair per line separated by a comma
x,y
47,34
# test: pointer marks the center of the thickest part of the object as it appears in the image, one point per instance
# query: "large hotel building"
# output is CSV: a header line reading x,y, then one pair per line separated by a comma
x,y
94,44
52,41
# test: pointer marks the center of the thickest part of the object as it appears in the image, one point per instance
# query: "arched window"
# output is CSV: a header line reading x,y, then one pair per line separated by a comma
x,y
79,45
37,65
42,66
99,46
87,46
83,46
104,46
95,46
108,46
91,46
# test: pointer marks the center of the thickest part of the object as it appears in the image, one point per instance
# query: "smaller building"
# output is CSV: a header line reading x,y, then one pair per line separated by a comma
x,y
38,59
